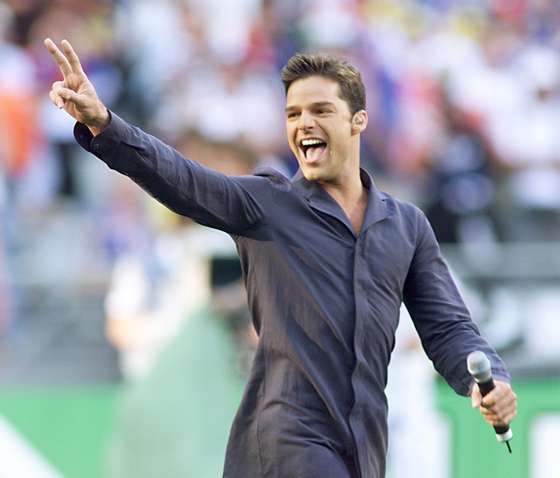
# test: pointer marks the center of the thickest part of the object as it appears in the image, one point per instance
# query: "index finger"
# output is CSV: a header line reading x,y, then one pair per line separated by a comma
x,y
476,396
497,395
72,57
59,57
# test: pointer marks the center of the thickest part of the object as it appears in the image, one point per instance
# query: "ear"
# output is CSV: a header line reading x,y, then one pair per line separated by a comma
x,y
359,121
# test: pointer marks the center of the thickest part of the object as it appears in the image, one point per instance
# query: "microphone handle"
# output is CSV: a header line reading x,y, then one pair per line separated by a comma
x,y
485,388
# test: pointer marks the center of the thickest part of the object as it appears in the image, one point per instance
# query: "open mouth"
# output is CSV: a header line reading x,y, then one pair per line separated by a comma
x,y
312,148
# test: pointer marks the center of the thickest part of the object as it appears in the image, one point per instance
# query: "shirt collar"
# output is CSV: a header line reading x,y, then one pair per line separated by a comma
x,y
319,199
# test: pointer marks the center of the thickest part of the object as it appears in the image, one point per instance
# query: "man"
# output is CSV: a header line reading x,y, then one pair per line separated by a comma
x,y
327,260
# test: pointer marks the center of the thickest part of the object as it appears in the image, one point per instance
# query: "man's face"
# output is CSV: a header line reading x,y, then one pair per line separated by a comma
x,y
319,128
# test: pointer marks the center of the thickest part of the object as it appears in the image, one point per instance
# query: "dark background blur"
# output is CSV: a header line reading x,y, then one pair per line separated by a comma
x,y
109,303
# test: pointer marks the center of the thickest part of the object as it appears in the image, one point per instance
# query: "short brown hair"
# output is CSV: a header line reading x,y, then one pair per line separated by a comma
x,y
348,77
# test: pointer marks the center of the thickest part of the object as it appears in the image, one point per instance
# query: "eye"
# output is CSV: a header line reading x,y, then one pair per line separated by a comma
x,y
292,115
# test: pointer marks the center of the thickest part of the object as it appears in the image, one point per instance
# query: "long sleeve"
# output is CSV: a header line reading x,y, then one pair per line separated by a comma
x,y
184,186
439,314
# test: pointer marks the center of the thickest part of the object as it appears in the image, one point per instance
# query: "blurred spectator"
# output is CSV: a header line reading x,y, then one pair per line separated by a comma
x,y
88,26
174,310
157,285
532,149
413,451
461,187
19,128
176,421
124,218
231,103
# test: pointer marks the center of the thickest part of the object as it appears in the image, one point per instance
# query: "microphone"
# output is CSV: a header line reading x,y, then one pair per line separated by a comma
x,y
480,369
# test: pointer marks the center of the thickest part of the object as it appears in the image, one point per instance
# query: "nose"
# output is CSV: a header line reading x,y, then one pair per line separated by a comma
x,y
305,121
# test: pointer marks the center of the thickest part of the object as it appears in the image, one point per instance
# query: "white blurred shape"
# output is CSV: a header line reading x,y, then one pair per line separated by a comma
x,y
545,460
17,73
419,436
540,67
19,459
330,24
227,25
543,333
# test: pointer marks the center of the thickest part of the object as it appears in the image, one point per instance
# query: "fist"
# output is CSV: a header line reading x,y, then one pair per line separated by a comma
x,y
499,407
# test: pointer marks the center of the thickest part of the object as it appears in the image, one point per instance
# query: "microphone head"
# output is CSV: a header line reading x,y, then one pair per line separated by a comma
x,y
479,366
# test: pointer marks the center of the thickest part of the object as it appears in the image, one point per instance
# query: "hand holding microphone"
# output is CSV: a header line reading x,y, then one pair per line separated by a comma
x,y
499,402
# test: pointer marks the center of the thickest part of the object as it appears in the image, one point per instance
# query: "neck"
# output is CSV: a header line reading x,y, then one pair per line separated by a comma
x,y
352,197
346,190
347,187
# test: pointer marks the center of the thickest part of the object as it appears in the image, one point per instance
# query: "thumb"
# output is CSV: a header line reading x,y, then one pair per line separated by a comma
x,y
476,397
72,96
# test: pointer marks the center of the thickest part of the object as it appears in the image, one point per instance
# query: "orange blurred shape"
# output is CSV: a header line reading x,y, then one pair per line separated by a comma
x,y
18,131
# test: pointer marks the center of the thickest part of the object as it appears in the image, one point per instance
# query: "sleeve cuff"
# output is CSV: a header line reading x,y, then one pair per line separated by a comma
x,y
83,136
101,145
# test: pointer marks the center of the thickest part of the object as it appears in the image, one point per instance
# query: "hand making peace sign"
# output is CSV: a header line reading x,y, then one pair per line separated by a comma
x,y
75,94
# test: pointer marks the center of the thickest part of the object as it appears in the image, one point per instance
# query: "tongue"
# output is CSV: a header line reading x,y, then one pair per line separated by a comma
x,y
314,153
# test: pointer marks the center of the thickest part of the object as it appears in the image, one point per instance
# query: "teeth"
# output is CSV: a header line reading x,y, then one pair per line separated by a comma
x,y
311,142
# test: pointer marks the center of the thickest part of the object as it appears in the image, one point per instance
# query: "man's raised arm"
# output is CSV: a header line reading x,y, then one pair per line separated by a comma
x,y
232,204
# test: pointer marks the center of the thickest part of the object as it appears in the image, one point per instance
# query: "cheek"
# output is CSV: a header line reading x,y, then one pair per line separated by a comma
x,y
290,135
341,139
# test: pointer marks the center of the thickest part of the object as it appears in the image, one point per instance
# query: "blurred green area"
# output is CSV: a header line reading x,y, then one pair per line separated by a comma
x,y
163,428
474,449
174,423
68,426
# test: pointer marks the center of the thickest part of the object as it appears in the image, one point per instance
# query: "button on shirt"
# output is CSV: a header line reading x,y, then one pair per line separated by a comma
x,y
324,300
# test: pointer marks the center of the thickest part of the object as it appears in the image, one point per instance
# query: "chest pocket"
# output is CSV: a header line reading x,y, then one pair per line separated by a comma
x,y
386,258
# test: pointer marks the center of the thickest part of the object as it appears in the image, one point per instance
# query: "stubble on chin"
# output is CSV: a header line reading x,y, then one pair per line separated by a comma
x,y
311,175
321,174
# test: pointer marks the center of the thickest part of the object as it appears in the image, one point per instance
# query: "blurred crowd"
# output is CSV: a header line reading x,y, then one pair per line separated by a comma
x,y
463,99
462,96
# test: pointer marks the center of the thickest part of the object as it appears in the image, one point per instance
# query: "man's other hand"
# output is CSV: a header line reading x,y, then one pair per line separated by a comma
x,y
499,407
75,94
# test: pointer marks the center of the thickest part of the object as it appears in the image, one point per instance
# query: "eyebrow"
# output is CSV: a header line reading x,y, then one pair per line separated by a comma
x,y
318,104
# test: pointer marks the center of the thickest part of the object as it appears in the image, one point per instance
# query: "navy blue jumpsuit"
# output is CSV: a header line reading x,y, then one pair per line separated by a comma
x,y
324,300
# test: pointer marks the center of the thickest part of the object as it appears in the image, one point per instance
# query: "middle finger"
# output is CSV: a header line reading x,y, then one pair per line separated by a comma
x,y
72,57
59,57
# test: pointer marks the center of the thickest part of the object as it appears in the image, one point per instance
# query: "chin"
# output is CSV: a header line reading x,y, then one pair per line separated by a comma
x,y
312,175
321,174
